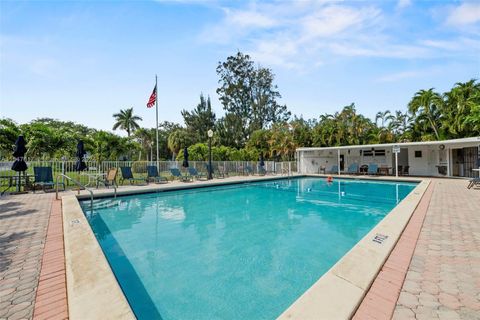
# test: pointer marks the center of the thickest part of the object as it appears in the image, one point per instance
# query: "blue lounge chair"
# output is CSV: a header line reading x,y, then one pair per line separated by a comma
x,y
177,174
261,171
152,175
353,168
128,175
248,170
216,174
197,175
372,169
333,169
222,172
44,178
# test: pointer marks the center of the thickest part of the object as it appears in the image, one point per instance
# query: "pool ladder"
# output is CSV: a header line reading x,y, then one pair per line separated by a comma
x,y
79,186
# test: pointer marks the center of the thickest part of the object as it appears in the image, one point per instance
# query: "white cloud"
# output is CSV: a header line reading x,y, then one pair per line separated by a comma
x,y
43,66
276,52
249,19
401,4
400,76
465,14
306,34
332,20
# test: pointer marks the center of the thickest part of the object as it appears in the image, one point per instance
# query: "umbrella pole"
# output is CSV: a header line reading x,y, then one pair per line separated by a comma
x,y
19,181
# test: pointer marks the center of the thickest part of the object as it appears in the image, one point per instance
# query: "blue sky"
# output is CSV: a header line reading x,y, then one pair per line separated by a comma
x,y
85,60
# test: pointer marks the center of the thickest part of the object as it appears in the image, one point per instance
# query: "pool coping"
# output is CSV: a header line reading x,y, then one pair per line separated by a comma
x,y
336,294
339,292
93,291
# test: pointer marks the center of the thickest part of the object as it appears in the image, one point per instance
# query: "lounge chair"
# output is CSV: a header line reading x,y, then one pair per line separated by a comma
x,y
216,174
177,174
152,175
222,171
261,171
195,174
333,169
44,178
405,170
248,170
372,169
475,182
400,170
363,169
353,168
128,175
110,179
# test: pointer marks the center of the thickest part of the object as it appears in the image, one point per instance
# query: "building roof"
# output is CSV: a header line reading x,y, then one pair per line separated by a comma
x,y
464,142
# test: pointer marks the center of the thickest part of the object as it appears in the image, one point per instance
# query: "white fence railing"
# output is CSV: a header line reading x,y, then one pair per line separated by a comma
x,y
140,167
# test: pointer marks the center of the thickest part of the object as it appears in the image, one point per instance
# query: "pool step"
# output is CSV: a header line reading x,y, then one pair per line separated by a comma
x,y
102,203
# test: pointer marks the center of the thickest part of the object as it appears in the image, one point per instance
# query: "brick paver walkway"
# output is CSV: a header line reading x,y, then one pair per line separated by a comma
x,y
51,302
443,280
23,227
381,299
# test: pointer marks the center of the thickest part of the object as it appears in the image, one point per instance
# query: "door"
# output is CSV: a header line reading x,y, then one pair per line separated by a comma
x,y
342,162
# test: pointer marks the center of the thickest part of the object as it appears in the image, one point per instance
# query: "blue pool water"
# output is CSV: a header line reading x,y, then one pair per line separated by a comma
x,y
244,251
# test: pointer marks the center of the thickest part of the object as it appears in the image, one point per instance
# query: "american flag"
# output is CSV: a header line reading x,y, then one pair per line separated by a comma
x,y
153,98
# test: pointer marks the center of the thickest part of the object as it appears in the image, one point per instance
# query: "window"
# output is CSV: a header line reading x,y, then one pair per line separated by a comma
x,y
367,153
418,153
380,152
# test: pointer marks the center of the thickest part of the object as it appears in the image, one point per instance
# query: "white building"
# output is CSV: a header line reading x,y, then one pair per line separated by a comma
x,y
449,158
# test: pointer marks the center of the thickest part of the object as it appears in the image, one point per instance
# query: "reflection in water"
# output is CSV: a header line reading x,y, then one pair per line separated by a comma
x,y
237,252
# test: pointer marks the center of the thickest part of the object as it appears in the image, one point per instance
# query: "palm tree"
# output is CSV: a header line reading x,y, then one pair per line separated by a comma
x,y
427,104
125,120
146,137
177,140
281,141
384,116
459,102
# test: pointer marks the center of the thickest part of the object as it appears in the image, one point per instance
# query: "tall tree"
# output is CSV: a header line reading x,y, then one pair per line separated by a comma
x,y
302,131
230,131
146,138
282,143
458,109
9,131
177,140
384,116
200,120
426,104
248,93
126,120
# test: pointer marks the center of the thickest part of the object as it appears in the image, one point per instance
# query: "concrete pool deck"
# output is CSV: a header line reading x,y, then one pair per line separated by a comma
x,y
445,258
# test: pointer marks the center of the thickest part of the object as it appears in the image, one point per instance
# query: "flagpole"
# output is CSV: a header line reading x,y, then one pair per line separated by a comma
x,y
156,111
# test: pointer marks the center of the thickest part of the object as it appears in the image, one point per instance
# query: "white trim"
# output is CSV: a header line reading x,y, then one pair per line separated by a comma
x,y
448,162
338,161
464,142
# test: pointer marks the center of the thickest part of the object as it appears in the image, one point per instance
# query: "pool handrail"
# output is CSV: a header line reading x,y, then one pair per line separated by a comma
x,y
80,186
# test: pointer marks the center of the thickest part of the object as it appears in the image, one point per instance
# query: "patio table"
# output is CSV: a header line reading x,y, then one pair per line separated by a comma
x,y
384,170
13,180
93,177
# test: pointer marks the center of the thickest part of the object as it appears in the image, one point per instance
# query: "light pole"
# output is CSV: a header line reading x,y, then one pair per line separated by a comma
x,y
210,135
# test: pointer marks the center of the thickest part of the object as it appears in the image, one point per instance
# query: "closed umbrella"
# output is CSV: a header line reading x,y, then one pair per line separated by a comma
x,y
262,162
80,165
19,165
185,158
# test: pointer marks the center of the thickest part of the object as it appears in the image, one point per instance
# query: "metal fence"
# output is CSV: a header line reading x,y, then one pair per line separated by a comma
x,y
139,168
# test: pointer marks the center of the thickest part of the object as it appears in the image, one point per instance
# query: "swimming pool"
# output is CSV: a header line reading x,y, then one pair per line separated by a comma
x,y
243,251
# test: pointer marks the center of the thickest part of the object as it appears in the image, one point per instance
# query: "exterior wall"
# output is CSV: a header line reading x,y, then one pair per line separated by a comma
x,y
426,165
311,162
